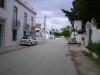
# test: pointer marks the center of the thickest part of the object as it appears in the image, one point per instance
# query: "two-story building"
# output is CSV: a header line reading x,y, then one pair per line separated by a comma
x,y
17,18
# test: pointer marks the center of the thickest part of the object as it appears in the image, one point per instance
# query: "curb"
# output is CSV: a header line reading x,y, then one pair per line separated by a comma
x,y
94,55
15,49
11,50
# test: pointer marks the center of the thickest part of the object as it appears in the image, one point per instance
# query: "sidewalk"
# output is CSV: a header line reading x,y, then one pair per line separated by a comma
x,y
10,48
14,48
83,64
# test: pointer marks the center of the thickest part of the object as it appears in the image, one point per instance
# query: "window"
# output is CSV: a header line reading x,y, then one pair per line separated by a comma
x,y
2,3
15,11
14,32
14,36
25,37
24,33
32,20
25,18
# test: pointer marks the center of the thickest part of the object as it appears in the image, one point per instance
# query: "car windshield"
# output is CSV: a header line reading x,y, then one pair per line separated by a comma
x,y
25,37
72,39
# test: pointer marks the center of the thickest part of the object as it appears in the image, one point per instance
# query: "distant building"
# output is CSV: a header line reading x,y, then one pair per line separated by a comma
x,y
17,19
37,26
38,29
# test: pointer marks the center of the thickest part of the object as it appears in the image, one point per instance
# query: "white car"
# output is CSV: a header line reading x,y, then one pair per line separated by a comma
x,y
72,40
28,40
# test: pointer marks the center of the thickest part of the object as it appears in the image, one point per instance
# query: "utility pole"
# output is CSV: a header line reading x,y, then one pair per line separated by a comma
x,y
45,26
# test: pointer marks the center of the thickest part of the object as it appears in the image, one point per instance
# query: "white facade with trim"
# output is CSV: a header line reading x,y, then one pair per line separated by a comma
x,y
7,24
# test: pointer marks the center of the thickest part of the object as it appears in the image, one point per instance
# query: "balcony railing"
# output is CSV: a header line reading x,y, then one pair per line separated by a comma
x,y
32,28
16,24
26,26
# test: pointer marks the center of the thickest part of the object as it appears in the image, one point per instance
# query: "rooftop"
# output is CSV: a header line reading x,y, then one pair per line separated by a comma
x,y
26,5
38,25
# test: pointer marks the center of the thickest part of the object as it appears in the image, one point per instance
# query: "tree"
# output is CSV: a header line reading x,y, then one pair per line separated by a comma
x,y
69,28
71,15
56,33
84,10
66,31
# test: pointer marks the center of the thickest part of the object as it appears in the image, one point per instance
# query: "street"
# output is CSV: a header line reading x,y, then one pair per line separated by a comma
x,y
48,58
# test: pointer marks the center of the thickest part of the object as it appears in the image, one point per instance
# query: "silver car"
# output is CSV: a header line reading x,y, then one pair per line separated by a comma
x,y
72,40
28,40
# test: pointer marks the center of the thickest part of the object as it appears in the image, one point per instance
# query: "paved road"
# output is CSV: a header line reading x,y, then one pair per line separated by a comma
x,y
44,59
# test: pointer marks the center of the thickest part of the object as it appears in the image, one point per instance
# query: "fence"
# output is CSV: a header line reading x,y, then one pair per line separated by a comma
x,y
92,33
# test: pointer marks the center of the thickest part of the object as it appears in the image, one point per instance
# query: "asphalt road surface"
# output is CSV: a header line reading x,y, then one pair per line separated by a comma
x,y
43,59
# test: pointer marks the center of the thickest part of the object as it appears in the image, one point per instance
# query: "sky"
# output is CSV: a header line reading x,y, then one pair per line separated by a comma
x,y
55,18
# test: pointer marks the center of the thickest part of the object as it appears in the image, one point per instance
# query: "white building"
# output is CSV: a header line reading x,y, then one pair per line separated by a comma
x,y
17,18
38,30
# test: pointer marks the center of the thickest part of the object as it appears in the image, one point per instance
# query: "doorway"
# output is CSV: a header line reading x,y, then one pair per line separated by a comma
x,y
1,35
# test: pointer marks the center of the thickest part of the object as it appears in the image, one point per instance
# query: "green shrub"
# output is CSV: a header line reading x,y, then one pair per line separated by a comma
x,y
94,47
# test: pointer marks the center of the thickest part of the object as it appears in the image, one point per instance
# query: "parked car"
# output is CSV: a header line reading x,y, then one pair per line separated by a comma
x,y
72,40
28,40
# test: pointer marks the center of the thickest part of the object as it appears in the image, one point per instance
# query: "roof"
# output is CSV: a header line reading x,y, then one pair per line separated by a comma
x,y
27,6
38,25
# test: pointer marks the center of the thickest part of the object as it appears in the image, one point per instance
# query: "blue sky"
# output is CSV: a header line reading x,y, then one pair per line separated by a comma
x,y
52,9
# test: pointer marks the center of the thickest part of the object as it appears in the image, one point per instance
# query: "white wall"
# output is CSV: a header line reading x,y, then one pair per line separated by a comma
x,y
96,35
8,25
21,11
7,14
79,38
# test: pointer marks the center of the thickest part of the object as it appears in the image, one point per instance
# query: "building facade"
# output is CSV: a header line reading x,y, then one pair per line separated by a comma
x,y
17,19
38,29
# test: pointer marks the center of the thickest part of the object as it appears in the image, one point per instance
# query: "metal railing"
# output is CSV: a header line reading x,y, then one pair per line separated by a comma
x,y
26,26
16,24
32,28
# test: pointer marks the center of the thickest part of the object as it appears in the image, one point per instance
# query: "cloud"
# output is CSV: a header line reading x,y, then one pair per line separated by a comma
x,y
50,13
52,9
51,4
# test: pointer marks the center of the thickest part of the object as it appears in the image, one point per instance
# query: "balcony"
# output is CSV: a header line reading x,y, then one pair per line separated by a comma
x,y
16,24
3,13
33,28
26,27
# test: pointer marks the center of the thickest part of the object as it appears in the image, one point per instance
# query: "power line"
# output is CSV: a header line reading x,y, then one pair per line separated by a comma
x,y
42,16
52,19
56,19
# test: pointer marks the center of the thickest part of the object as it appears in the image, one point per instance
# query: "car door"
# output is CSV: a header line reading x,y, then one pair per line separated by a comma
x,y
32,40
